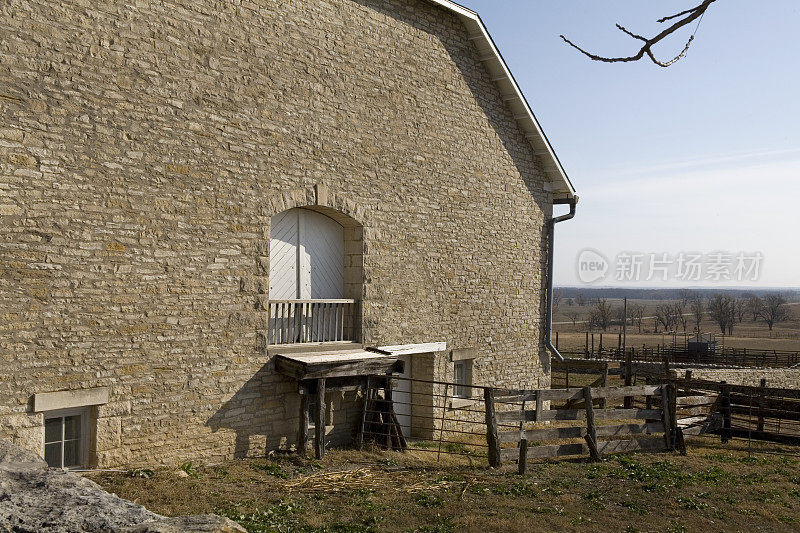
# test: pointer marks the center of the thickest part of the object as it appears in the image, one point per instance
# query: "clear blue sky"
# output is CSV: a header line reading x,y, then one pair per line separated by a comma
x,y
703,156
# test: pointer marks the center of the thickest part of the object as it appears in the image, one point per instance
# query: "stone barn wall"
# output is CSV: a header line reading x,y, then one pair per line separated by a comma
x,y
144,147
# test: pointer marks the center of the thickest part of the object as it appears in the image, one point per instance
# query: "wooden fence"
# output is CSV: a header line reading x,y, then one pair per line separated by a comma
x,y
603,430
734,411
745,357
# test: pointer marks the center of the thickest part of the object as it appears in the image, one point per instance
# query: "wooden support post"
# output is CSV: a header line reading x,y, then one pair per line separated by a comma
x,y
666,417
592,345
388,410
591,430
363,427
586,346
604,383
492,435
302,430
556,340
725,404
523,457
319,421
762,385
628,378
539,405
680,443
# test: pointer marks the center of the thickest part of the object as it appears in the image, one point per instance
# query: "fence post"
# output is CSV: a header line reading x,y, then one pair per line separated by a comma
x,y
591,430
523,456
628,377
604,383
492,436
725,404
666,417
763,386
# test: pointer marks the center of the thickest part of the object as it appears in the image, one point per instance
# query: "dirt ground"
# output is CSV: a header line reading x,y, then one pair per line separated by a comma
x,y
734,487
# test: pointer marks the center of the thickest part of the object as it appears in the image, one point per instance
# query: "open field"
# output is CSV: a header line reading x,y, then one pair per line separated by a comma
x,y
713,488
746,334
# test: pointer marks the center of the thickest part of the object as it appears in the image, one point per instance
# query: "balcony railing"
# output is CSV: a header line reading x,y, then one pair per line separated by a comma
x,y
305,321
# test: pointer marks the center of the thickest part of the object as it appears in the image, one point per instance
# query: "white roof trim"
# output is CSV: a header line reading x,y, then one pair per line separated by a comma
x,y
490,55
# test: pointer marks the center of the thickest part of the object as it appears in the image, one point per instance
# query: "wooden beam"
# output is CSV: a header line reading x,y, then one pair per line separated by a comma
x,y
580,414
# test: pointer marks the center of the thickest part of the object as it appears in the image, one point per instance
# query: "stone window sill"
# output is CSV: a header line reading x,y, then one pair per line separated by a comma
x,y
461,403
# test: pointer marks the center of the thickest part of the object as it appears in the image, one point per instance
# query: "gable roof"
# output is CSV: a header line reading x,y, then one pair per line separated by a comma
x,y
490,56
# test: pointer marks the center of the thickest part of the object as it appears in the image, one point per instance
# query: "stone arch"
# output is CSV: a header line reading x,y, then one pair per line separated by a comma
x,y
342,210
320,198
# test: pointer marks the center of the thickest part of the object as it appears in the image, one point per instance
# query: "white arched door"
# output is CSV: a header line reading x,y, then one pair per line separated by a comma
x,y
306,256
306,278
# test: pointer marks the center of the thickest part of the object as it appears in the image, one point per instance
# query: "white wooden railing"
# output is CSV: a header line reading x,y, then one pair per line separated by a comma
x,y
301,321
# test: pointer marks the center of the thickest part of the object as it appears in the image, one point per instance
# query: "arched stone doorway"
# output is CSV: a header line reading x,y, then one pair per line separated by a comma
x,y
316,276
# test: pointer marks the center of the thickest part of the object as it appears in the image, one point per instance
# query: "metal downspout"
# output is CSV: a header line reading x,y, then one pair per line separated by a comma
x,y
551,231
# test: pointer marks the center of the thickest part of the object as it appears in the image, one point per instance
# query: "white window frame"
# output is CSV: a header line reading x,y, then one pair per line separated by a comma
x,y
85,435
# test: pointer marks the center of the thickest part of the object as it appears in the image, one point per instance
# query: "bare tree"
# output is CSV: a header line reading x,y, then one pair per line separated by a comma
x,y
573,316
697,308
602,314
636,312
773,309
580,299
740,306
754,305
665,315
681,318
720,309
688,16
558,295
685,295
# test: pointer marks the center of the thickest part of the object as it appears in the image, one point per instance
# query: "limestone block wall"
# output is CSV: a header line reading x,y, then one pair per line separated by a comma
x,y
144,147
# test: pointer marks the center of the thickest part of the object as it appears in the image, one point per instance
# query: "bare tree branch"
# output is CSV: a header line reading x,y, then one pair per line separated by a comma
x,y
690,16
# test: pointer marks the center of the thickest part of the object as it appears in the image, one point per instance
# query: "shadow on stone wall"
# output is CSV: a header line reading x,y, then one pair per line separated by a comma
x,y
260,413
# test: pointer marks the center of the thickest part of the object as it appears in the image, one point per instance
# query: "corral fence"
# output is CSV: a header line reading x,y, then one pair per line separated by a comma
x,y
761,413
702,407
500,424
594,421
652,412
427,416
744,357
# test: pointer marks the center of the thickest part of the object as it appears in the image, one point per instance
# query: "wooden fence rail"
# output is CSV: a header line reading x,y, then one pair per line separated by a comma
x,y
605,431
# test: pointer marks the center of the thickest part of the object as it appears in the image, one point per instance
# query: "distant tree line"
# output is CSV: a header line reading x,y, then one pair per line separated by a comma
x,y
687,313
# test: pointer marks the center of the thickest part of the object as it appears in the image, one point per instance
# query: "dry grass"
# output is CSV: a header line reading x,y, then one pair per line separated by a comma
x,y
714,488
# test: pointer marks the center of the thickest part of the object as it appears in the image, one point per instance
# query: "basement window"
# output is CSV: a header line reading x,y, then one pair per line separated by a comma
x,y
462,377
66,438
